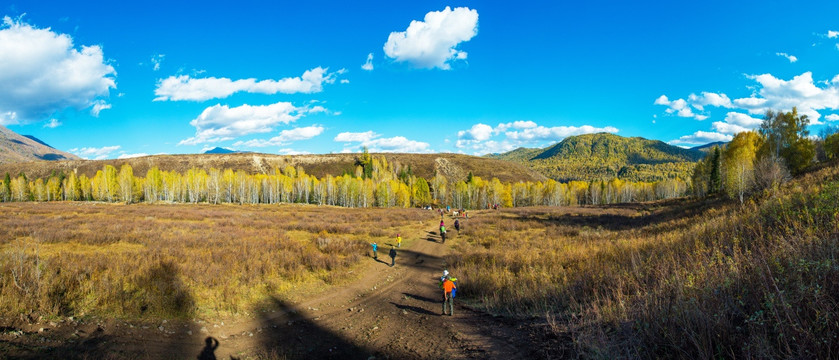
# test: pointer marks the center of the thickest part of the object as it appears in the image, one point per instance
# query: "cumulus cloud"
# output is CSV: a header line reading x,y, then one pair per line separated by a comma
x,y
832,117
368,65
736,122
285,137
789,57
701,137
292,152
683,108
519,125
376,143
555,133
832,34
432,42
220,122
42,72
800,92
184,87
478,132
355,136
129,156
52,124
91,153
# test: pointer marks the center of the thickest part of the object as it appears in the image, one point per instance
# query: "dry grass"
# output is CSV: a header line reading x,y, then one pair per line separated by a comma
x,y
685,279
137,261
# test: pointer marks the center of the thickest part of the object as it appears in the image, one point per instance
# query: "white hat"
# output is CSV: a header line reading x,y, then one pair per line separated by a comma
x,y
445,272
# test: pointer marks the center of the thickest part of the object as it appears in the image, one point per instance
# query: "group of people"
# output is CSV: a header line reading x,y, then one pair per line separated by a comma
x,y
448,283
392,252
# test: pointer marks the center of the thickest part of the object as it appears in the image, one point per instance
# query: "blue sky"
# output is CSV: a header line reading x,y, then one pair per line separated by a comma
x,y
108,80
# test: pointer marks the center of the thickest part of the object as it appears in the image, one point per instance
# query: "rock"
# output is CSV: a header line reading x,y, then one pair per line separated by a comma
x,y
189,332
404,312
375,328
160,328
204,330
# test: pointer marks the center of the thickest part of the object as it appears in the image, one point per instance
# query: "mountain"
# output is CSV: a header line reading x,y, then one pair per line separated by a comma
x,y
453,166
19,148
604,156
220,150
707,147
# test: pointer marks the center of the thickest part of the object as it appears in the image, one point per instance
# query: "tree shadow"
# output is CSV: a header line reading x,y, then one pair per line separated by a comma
x,y
287,334
161,293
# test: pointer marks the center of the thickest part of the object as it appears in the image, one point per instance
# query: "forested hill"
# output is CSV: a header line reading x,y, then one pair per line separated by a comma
x,y
604,156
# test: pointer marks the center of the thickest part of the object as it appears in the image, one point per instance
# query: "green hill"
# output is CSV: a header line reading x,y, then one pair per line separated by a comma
x,y
604,156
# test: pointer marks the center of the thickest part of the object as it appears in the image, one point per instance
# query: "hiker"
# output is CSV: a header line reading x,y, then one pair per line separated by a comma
x,y
448,297
443,278
457,225
443,233
392,256
398,240
375,249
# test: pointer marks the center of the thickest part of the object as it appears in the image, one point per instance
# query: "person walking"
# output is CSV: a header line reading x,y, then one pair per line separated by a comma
x,y
457,225
392,256
375,250
398,240
448,297
443,233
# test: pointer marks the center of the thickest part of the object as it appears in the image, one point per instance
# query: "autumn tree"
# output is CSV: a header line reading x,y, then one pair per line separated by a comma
x,y
422,195
786,136
738,162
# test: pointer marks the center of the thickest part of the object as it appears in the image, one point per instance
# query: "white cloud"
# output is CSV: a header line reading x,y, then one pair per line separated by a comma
x,y
832,117
519,125
556,133
478,132
375,143
431,43
345,81
157,60
52,124
292,152
742,120
42,72
800,92
368,65
95,153
220,122
184,87
98,106
832,34
285,137
701,137
128,156
789,57
727,128
355,136
708,98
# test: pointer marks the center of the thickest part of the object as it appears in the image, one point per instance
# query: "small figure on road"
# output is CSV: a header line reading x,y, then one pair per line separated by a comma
x,y
392,256
443,233
398,240
448,297
457,225
375,249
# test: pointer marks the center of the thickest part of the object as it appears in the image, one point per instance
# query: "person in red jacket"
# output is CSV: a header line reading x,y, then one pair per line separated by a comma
x,y
448,286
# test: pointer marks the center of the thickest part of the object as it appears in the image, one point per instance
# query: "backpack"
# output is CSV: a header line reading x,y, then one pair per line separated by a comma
x,y
454,289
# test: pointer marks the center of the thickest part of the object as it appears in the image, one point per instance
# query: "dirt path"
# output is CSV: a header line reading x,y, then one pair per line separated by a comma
x,y
390,312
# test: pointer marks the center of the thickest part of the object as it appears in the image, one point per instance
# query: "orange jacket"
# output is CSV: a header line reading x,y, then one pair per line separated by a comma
x,y
448,285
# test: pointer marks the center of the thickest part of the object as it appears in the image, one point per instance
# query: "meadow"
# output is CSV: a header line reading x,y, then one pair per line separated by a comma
x,y
682,278
144,261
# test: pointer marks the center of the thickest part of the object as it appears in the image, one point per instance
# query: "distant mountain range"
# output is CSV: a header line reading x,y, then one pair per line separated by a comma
x,y
220,150
16,148
606,156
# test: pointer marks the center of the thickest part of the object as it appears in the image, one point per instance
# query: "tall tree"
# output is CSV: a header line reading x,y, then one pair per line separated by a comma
x,y
786,136
738,162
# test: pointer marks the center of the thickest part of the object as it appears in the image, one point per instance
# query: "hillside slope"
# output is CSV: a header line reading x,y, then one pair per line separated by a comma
x,y
17,148
453,166
603,156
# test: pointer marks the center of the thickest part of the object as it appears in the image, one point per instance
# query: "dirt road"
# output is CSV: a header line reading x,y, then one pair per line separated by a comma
x,y
390,312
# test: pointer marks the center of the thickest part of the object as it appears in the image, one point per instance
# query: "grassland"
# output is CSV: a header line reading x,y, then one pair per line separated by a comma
x,y
178,261
678,279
